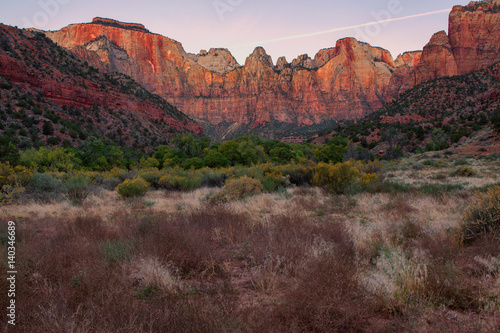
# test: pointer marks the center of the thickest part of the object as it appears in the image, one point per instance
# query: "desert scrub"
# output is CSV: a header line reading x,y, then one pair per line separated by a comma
x,y
434,163
10,194
110,183
461,161
343,178
272,182
212,177
44,187
17,176
298,174
463,171
131,188
121,174
178,179
78,188
236,189
482,216
152,176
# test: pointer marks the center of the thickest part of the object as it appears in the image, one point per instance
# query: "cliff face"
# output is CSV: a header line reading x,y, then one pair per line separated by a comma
x,y
473,43
437,59
348,81
475,35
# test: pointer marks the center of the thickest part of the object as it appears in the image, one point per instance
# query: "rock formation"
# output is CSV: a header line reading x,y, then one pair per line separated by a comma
x,y
345,82
475,35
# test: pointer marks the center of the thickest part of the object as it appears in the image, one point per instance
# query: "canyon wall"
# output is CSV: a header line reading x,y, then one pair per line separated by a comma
x,y
348,81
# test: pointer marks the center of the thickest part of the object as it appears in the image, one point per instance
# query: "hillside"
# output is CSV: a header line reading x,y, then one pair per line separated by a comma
x,y
48,96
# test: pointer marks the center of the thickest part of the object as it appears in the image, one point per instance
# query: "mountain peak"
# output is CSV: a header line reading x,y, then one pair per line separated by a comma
x,y
260,54
440,38
218,60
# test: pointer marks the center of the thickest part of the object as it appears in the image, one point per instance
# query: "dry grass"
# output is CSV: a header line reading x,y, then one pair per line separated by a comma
x,y
415,171
296,261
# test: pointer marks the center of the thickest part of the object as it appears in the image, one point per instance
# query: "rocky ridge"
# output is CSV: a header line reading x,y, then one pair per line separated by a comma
x,y
348,81
32,64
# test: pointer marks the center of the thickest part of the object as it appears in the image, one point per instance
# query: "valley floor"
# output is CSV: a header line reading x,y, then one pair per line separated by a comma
x,y
297,260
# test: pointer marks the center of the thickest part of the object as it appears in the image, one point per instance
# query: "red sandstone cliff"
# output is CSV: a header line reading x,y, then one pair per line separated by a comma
x,y
345,82
348,81
475,35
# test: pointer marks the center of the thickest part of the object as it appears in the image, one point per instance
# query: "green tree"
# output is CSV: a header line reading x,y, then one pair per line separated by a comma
x,y
8,152
281,153
48,128
99,155
333,151
495,119
49,159
247,153
230,150
149,162
215,159
194,162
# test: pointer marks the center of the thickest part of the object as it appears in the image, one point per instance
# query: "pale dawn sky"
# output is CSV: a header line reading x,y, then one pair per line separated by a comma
x,y
284,28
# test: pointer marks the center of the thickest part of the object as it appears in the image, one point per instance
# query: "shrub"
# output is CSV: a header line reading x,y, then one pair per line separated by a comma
x,y
238,189
495,119
214,159
439,189
461,161
48,128
10,194
111,183
482,216
54,140
78,188
44,187
195,162
152,177
132,188
150,162
119,174
299,174
49,159
388,187
434,163
464,171
343,178
212,177
18,176
274,181
178,179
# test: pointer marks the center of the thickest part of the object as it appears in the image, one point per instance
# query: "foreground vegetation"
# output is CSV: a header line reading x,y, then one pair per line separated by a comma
x,y
402,246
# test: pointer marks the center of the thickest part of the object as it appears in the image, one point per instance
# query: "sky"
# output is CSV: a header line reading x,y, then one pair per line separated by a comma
x,y
284,28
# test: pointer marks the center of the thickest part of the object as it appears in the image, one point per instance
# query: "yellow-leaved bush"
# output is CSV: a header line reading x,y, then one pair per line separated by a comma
x,y
17,176
132,188
12,182
178,179
343,178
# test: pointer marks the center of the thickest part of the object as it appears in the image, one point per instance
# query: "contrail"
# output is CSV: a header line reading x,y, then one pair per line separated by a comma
x,y
312,34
